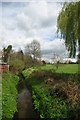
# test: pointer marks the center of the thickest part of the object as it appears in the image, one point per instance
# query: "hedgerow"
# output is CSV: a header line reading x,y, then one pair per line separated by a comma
x,y
50,102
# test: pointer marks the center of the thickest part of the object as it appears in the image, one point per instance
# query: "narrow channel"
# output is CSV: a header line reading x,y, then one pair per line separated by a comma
x,y
24,102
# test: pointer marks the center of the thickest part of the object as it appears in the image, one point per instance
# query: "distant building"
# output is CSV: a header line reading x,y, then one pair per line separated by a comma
x,y
4,67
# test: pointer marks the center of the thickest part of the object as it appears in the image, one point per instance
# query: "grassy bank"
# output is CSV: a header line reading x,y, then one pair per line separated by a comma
x,y
0,96
55,94
9,95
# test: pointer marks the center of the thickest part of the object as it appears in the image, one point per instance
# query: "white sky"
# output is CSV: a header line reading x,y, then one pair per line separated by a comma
x,y
21,22
38,0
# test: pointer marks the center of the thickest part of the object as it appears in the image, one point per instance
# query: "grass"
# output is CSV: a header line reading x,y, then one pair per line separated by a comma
x,y
62,68
68,68
9,95
0,96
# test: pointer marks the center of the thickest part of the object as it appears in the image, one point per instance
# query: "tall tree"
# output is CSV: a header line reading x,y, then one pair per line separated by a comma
x,y
20,55
33,49
17,61
69,26
6,53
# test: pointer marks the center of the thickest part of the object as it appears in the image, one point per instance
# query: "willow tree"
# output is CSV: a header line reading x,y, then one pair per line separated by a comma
x,y
68,23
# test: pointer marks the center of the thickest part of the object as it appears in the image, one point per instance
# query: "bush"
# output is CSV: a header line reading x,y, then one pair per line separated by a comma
x,y
59,99
49,107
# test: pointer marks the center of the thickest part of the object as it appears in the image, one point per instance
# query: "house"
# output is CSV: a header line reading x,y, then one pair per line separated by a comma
x,y
4,67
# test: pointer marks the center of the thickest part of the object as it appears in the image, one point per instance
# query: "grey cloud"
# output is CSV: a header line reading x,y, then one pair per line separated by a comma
x,y
31,19
50,54
22,26
33,22
13,4
47,22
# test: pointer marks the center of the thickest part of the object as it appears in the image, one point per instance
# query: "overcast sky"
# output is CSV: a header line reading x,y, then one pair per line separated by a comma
x,y
21,22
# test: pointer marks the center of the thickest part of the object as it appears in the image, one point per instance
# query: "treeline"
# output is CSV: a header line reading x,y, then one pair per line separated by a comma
x,y
20,60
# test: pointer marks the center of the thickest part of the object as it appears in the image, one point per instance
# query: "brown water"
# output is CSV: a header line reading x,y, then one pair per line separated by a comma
x,y
24,105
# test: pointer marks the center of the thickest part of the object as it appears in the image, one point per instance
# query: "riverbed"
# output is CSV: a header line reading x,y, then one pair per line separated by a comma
x,y
24,103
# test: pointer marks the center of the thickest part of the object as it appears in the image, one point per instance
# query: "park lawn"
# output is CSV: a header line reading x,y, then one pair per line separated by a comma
x,y
68,68
48,67
62,68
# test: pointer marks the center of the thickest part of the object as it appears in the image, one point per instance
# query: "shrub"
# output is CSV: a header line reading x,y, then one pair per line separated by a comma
x,y
49,107
59,98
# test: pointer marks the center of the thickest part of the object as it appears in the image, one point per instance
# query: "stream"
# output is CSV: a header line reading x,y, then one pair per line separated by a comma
x,y
24,102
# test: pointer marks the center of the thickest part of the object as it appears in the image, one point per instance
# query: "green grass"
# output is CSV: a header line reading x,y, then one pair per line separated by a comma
x,y
0,96
62,68
68,68
9,95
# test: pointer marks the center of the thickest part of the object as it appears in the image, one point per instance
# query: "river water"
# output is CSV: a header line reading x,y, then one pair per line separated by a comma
x,y
24,103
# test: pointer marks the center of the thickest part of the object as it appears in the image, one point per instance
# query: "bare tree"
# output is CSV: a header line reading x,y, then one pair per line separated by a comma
x,y
33,49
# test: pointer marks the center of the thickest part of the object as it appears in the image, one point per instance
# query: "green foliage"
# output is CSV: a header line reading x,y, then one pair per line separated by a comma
x,y
27,72
6,53
69,25
16,61
9,95
17,64
0,97
49,107
62,68
0,107
28,61
59,98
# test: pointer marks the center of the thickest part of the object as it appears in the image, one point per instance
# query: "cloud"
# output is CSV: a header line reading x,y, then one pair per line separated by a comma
x,y
54,47
23,22
33,20
38,15
38,19
38,0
